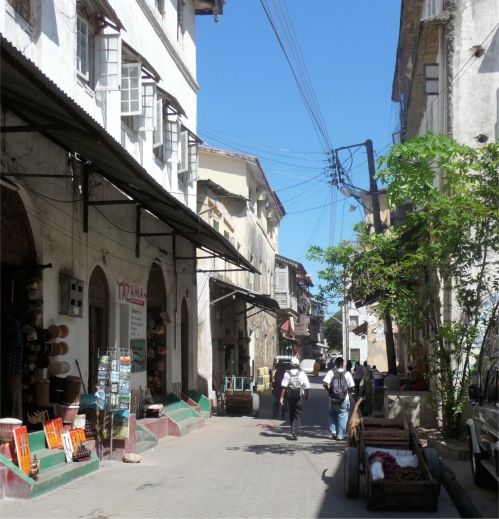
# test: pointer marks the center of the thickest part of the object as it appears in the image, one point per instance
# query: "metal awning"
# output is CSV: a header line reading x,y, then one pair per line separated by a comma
x,y
257,299
45,108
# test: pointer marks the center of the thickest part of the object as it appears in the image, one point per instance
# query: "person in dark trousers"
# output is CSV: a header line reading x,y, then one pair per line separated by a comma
x,y
277,389
295,382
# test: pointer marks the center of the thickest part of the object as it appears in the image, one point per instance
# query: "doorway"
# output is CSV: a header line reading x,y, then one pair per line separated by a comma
x,y
157,321
98,323
184,346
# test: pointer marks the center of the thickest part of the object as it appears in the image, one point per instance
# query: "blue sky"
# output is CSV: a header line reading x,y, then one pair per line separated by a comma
x,y
248,92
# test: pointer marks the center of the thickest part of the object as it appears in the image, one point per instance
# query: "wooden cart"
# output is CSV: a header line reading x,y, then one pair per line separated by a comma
x,y
239,395
388,494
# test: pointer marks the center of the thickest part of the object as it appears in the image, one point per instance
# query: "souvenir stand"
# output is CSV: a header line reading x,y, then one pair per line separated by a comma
x,y
113,386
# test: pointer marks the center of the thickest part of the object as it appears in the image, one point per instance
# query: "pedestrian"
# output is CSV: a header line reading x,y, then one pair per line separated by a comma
x,y
349,366
338,383
358,375
295,383
392,380
277,389
317,367
368,372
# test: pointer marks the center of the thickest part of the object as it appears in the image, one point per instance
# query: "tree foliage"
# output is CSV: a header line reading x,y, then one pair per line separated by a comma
x,y
333,331
436,271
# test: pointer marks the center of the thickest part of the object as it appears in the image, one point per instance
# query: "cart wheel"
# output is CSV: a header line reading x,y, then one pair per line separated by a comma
x,y
352,474
255,404
433,462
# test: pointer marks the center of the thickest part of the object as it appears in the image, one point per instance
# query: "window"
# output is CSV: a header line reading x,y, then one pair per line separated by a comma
x,y
431,71
107,62
147,119
171,139
160,6
354,320
130,89
157,136
184,152
180,20
216,225
82,48
22,8
227,235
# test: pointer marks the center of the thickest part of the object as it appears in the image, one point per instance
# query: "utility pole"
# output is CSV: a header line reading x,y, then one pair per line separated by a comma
x,y
378,229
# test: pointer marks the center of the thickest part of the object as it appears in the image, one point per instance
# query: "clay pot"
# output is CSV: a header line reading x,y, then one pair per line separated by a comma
x,y
64,348
28,328
33,294
72,390
64,331
35,318
54,330
56,349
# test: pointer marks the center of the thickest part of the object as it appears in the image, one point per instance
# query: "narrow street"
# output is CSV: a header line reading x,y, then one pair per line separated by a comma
x,y
231,468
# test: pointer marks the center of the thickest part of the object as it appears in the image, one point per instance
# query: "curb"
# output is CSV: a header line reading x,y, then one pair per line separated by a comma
x,y
460,497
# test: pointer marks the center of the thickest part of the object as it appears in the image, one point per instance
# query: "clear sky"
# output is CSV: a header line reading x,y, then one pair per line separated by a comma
x,y
248,94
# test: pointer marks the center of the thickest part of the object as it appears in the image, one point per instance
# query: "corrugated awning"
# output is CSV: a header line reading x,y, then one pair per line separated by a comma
x,y
258,299
45,108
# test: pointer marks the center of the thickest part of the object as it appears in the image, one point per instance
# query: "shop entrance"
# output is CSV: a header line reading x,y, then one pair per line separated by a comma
x,y
184,345
98,323
17,249
157,321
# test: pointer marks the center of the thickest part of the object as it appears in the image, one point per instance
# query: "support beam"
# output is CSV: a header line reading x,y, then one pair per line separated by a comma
x,y
117,202
224,270
33,128
85,197
138,212
41,175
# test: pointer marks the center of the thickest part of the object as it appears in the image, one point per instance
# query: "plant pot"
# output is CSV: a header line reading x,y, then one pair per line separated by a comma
x,y
67,413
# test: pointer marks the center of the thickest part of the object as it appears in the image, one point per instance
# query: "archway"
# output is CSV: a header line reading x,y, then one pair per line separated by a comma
x,y
157,319
98,323
184,346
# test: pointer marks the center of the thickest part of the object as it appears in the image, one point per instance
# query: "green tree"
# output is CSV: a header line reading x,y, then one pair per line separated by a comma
x,y
333,332
436,271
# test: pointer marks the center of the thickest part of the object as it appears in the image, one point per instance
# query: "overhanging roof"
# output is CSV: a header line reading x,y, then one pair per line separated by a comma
x,y
250,296
35,99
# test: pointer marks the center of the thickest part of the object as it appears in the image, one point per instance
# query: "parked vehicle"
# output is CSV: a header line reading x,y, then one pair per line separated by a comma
x,y
307,366
482,427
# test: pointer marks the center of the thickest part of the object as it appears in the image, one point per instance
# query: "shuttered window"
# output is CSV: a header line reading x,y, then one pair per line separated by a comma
x,y
146,121
107,61
157,136
131,99
281,280
171,140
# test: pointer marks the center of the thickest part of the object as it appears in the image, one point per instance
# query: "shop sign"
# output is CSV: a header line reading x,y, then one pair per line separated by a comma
x,y
22,448
131,293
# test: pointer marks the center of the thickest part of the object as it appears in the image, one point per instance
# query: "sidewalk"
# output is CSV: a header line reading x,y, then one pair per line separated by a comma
x,y
470,499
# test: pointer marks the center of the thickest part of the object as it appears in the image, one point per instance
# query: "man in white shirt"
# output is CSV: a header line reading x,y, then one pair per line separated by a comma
x,y
338,383
296,384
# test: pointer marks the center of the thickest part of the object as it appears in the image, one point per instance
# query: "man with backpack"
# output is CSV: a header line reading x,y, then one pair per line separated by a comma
x,y
295,383
338,383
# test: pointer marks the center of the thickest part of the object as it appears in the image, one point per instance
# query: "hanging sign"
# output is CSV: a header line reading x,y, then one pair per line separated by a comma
x,y
68,446
53,432
22,448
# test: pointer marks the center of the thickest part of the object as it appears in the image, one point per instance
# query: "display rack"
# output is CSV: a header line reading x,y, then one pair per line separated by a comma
x,y
113,382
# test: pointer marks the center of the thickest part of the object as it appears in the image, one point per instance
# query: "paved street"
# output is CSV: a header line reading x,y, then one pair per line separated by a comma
x,y
227,469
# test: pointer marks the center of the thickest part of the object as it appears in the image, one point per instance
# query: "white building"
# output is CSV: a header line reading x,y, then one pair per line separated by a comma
x,y
237,310
99,171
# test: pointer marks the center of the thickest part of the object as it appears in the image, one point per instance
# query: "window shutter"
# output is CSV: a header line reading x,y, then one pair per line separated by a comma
x,y
107,61
184,152
82,47
157,136
193,163
131,100
146,120
281,280
171,141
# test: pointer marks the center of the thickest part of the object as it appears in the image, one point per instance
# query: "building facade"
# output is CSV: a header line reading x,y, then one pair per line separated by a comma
x,y
237,309
99,172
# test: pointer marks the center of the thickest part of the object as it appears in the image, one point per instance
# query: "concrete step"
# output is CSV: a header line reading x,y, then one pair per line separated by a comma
x,y
50,458
186,426
181,414
62,474
143,446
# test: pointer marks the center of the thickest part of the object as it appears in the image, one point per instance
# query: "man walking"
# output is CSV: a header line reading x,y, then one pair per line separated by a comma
x,y
338,383
358,375
295,383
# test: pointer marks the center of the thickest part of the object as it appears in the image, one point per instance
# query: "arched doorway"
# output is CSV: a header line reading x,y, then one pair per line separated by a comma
x,y
17,254
157,320
98,323
184,346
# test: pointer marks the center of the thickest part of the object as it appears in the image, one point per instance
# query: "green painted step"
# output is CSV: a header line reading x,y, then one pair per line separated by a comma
x,y
186,426
178,415
202,401
144,439
145,446
63,474
50,458
36,441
